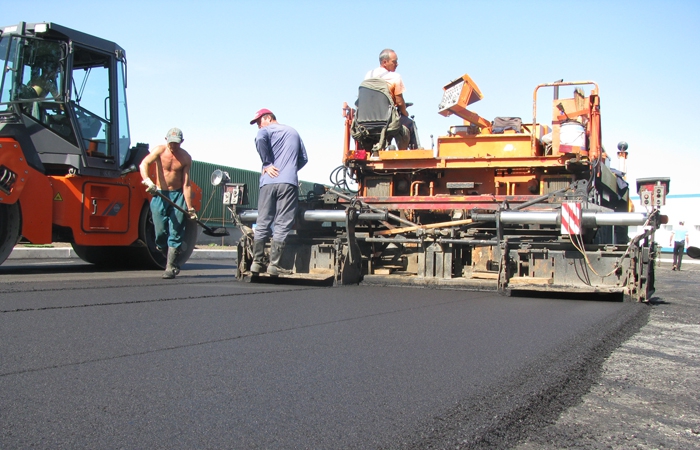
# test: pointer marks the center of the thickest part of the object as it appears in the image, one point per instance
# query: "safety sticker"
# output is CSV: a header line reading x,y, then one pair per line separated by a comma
x,y
570,218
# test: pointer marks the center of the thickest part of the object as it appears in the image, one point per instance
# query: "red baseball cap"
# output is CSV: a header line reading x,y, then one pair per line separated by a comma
x,y
259,114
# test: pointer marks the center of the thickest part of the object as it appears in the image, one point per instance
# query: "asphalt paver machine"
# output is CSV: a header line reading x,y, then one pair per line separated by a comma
x,y
496,204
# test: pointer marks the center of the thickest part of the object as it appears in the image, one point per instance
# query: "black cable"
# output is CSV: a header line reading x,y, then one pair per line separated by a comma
x,y
341,177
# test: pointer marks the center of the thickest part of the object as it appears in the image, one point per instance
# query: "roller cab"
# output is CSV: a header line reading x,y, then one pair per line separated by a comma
x,y
68,171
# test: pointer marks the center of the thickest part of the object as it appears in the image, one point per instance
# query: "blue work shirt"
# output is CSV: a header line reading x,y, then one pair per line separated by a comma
x,y
281,146
680,234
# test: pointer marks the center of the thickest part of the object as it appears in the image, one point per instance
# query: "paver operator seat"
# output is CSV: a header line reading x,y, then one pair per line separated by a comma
x,y
376,122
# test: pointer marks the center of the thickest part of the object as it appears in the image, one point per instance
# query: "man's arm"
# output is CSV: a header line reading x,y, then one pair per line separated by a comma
x,y
302,158
264,147
401,104
143,167
186,186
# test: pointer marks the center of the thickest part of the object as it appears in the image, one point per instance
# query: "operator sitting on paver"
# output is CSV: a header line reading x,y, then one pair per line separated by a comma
x,y
173,175
388,62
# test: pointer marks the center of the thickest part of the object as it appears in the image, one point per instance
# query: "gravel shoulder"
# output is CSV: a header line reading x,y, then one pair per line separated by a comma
x,y
648,392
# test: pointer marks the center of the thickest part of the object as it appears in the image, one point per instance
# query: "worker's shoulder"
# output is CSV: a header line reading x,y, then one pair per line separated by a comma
x,y
184,154
153,155
275,131
283,128
157,149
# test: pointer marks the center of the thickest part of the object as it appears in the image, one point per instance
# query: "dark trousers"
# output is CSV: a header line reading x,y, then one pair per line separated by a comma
x,y
413,131
678,248
277,209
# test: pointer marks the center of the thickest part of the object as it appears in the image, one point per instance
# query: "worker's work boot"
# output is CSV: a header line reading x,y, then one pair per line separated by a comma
x,y
258,265
172,267
276,252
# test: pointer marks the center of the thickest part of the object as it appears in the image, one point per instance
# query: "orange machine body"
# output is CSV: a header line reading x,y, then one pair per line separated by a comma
x,y
98,211
475,166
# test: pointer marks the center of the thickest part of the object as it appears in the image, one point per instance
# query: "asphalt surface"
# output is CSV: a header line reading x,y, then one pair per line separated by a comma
x,y
647,395
101,359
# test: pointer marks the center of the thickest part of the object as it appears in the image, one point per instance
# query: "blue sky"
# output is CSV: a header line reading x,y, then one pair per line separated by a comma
x,y
207,66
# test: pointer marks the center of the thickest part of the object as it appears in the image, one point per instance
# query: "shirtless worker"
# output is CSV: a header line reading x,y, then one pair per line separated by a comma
x,y
173,181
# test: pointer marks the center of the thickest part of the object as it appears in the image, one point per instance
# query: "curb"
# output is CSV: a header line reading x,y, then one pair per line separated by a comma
x,y
69,253
42,253
686,260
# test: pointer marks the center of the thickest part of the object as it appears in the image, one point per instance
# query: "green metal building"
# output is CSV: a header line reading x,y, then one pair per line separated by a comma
x,y
213,211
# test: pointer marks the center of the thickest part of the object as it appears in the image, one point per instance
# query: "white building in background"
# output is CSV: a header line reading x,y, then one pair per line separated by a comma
x,y
678,207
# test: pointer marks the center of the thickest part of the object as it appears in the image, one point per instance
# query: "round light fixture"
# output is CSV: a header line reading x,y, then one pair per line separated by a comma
x,y
218,177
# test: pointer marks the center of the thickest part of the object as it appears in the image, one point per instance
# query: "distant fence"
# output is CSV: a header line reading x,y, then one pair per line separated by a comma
x,y
213,210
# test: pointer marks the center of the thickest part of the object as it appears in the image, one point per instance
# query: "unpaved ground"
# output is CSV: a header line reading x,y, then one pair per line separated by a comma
x,y
648,393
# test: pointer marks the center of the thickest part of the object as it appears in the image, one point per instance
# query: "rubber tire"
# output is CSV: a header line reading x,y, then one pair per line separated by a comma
x,y
143,253
10,229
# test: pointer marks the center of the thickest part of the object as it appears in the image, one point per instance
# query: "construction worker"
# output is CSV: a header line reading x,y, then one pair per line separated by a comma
x,y
388,62
679,239
282,154
173,186
44,71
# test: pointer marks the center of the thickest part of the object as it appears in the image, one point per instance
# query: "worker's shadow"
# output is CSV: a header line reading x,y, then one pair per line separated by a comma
x,y
654,300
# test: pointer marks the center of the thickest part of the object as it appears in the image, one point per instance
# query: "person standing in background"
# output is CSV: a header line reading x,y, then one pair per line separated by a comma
x,y
679,239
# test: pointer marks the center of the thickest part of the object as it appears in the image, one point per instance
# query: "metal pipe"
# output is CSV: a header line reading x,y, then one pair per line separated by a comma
x,y
538,199
415,185
529,217
619,218
250,216
466,241
428,241
390,241
589,218
335,215
374,216
325,216
347,114
320,215
534,104
390,215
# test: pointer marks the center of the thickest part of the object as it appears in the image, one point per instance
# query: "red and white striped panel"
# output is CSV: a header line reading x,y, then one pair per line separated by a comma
x,y
571,218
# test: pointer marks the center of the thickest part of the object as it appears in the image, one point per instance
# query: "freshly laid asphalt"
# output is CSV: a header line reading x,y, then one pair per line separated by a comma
x,y
99,359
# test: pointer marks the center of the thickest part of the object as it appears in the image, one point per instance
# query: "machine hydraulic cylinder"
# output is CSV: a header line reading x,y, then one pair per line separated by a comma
x,y
588,218
320,215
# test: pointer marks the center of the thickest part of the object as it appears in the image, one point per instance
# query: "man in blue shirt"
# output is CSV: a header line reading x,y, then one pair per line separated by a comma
x,y
679,239
282,154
